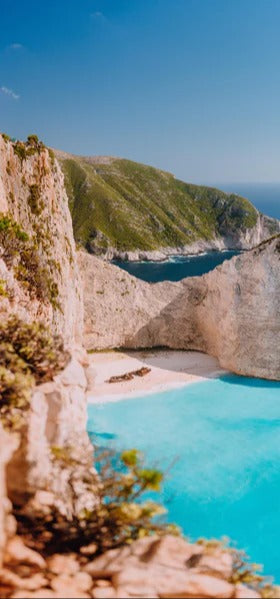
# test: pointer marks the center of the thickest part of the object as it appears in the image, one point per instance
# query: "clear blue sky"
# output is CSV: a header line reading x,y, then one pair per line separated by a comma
x,y
191,86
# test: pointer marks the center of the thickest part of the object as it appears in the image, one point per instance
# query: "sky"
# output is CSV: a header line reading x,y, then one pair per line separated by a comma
x,y
189,86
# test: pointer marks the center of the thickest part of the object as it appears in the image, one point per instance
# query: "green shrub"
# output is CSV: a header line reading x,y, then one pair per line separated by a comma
x,y
29,354
52,156
6,137
3,291
122,513
20,150
34,201
33,140
21,253
12,239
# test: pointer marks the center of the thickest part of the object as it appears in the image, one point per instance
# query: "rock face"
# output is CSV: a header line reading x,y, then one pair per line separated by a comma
x,y
56,420
232,313
32,192
7,448
32,463
149,568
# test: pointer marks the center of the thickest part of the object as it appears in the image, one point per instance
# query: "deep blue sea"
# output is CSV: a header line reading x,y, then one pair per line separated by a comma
x,y
265,196
221,438
176,268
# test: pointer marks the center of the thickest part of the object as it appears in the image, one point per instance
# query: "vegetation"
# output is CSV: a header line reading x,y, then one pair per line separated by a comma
x,y
20,252
25,149
129,206
121,513
29,354
6,137
35,202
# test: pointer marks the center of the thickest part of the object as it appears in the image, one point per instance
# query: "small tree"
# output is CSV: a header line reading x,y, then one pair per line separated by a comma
x,y
33,140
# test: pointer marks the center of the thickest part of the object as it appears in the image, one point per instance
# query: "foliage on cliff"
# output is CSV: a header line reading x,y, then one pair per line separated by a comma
x,y
130,206
29,355
122,511
22,254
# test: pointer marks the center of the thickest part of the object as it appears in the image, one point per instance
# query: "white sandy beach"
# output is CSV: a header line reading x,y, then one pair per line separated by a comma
x,y
169,369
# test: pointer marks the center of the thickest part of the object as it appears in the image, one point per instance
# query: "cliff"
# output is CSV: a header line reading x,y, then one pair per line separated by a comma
x,y
38,267
123,209
43,385
232,313
56,523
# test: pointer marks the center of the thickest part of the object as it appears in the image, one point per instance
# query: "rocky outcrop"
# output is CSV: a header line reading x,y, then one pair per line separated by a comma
x,y
32,192
40,469
149,568
34,466
7,526
232,313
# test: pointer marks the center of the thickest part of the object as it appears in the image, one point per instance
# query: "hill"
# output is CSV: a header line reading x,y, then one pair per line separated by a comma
x,y
120,206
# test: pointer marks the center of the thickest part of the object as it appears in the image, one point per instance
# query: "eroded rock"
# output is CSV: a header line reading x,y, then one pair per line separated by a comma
x,y
232,313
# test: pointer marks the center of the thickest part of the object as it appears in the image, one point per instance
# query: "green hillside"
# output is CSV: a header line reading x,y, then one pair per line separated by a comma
x,y
129,206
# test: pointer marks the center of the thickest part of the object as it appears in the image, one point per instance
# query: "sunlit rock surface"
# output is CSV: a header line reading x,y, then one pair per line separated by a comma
x,y
232,313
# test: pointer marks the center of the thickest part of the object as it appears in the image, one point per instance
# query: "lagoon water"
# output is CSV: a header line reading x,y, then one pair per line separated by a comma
x,y
176,268
222,440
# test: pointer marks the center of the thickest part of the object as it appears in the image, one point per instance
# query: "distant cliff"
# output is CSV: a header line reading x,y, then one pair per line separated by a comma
x,y
131,211
232,313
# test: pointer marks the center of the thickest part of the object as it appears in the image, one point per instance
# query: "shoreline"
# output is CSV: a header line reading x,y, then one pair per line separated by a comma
x,y
170,369
163,254
171,257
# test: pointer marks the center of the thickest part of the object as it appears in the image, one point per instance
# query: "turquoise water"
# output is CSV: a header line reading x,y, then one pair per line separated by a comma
x,y
222,438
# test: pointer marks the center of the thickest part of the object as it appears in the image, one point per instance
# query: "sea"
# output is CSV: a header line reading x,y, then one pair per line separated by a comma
x,y
266,198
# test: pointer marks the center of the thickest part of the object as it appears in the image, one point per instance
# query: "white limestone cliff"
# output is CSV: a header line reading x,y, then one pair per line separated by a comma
x,y
232,313
50,226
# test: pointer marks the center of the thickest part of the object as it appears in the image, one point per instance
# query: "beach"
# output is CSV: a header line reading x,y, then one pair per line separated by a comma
x,y
169,369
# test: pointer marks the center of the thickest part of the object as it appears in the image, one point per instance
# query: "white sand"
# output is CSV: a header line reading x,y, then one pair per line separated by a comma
x,y
169,369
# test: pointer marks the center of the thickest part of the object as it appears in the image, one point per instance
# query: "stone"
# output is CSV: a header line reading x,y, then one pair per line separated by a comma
x,y
40,594
167,551
105,593
63,564
108,563
7,447
79,581
16,551
243,592
9,578
73,374
219,563
102,583
90,549
198,586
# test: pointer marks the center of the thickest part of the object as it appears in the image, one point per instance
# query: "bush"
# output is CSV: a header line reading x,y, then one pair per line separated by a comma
x,y
29,354
20,150
34,201
33,140
12,239
6,137
121,514
18,251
